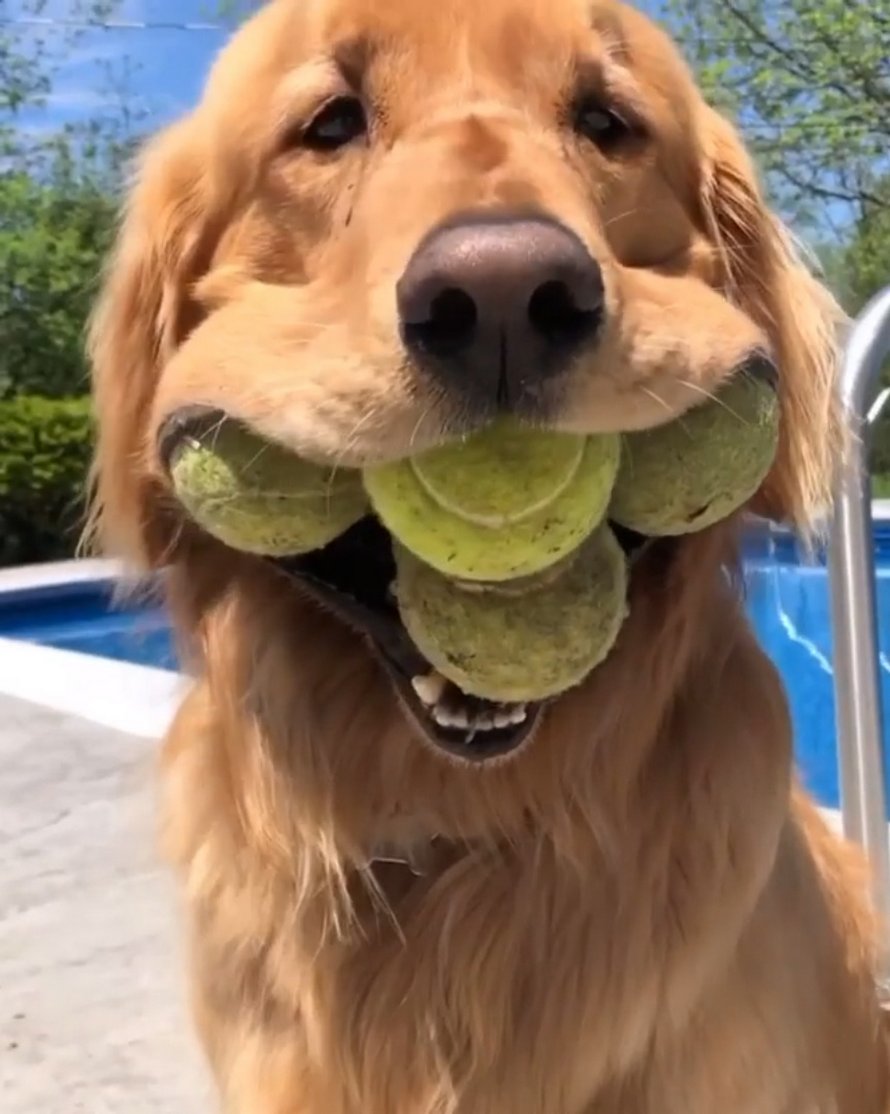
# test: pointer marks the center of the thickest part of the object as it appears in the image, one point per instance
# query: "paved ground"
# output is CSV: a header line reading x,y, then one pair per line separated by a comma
x,y
91,1000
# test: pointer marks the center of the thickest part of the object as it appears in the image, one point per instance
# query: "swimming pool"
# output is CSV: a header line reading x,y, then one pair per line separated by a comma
x,y
84,616
790,607
788,602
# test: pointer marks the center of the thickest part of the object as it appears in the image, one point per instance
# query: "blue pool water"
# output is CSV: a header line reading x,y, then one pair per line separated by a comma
x,y
86,618
790,608
788,602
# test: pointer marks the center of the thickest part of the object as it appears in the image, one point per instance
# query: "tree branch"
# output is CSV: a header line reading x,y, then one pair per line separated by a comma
x,y
793,63
827,193
878,96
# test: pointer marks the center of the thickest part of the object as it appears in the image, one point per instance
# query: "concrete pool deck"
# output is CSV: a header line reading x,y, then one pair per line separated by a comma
x,y
92,1015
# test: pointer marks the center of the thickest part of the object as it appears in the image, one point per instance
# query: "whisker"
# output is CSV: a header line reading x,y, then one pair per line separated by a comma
x,y
215,430
351,438
655,397
425,413
714,398
619,216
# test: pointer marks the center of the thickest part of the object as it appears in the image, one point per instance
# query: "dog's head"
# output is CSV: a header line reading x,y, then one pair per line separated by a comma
x,y
388,222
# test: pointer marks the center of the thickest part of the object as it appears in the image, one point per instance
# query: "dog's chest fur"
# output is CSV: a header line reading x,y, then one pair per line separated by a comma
x,y
492,961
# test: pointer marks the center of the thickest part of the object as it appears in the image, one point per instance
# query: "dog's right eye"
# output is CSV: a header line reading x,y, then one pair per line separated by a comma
x,y
340,122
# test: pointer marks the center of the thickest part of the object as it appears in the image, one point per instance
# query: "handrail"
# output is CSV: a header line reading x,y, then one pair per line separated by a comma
x,y
857,686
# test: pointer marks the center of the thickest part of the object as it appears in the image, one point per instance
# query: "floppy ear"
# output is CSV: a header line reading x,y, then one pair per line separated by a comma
x,y
143,313
764,275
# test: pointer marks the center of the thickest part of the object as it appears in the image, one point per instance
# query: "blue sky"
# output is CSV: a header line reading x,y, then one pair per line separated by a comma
x,y
165,68
156,61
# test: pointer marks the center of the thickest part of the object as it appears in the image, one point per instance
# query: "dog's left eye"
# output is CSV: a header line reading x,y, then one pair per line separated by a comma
x,y
340,122
601,125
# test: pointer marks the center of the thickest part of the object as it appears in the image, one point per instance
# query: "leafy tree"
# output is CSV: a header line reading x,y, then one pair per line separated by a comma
x,y
867,254
29,55
809,83
56,207
57,213
53,236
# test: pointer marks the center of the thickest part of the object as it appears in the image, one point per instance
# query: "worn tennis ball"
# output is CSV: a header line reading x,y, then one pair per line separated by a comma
x,y
497,646
504,503
258,497
698,469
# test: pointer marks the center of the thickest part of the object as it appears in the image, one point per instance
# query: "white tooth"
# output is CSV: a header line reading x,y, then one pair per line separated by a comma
x,y
483,722
519,714
503,718
429,688
446,717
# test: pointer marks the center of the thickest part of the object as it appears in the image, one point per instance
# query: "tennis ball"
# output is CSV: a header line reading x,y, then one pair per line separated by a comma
x,y
504,503
493,645
698,469
258,497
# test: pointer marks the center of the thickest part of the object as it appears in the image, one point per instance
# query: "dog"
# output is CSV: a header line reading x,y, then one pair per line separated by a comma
x,y
626,905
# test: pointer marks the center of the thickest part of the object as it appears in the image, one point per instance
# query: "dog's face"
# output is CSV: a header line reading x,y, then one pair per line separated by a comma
x,y
390,221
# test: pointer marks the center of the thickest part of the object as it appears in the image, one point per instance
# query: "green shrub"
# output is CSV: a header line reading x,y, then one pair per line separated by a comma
x,y
53,238
44,457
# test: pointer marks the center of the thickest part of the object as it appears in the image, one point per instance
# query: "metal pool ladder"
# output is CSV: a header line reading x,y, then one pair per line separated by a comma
x,y
857,687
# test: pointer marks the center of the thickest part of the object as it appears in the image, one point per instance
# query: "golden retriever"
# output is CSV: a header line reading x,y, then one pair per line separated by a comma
x,y
622,904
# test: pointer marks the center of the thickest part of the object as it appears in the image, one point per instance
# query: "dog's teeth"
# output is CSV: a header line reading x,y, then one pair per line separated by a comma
x,y
483,722
429,688
503,718
519,714
450,717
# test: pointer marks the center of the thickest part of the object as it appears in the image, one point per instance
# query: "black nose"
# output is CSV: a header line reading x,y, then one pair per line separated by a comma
x,y
496,307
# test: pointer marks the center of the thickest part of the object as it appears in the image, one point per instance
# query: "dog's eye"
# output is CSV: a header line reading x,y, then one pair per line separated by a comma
x,y
601,125
340,122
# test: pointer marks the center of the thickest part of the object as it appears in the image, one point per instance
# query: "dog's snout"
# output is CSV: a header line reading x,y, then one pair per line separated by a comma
x,y
496,307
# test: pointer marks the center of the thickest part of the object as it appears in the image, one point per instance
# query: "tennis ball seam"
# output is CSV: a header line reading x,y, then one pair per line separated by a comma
x,y
501,521
460,548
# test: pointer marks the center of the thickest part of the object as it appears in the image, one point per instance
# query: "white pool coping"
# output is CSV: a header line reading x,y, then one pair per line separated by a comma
x,y
51,574
136,699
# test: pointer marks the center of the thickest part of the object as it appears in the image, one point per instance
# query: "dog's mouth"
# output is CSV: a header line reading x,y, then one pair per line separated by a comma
x,y
354,577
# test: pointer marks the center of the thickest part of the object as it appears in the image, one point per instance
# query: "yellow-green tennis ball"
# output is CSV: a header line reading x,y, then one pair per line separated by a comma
x,y
258,497
497,646
507,502
698,469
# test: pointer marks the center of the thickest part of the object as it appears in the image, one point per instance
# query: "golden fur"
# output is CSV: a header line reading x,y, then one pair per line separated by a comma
x,y
639,913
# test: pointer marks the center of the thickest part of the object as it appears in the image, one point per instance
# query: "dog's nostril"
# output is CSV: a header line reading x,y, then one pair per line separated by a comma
x,y
450,326
495,306
453,316
556,316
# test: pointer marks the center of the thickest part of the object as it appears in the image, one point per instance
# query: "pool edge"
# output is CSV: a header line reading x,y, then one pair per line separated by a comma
x,y
137,699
